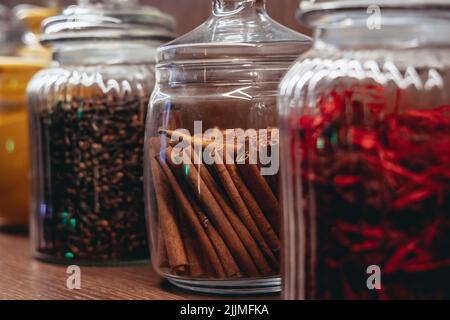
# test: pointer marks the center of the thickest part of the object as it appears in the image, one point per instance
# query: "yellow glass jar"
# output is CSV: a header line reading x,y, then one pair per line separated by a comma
x,y
14,187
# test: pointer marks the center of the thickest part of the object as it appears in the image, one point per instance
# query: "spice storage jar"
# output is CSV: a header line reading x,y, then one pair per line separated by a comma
x,y
31,17
15,73
87,132
215,223
365,127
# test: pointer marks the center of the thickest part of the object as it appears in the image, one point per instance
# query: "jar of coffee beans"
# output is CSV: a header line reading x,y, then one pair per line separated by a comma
x,y
87,116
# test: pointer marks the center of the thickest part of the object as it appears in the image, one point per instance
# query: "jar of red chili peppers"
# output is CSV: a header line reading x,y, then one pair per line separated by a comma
x,y
365,122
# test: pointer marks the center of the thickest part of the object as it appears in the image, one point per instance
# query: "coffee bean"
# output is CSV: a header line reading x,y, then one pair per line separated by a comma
x,y
93,155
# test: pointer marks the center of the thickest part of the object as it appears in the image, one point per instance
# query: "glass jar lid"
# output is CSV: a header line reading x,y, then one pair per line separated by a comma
x,y
109,20
234,24
310,10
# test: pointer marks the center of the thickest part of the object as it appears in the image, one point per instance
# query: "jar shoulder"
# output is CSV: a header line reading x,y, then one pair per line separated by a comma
x,y
318,71
114,79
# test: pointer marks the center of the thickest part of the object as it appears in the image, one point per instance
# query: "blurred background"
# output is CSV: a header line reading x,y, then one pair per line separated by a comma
x,y
190,13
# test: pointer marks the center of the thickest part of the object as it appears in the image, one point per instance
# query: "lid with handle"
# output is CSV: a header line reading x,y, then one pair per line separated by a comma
x,y
108,20
235,23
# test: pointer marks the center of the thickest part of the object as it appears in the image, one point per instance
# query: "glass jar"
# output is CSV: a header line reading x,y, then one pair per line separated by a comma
x,y
365,127
87,132
14,181
215,224
32,17
15,73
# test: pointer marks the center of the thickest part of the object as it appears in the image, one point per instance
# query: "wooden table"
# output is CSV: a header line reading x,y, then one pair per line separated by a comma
x,y
22,277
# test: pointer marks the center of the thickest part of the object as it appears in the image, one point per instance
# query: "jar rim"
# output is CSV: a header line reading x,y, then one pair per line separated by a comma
x,y
108,22
309,10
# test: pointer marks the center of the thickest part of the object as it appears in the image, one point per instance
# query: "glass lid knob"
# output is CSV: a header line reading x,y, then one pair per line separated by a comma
x,y
233,6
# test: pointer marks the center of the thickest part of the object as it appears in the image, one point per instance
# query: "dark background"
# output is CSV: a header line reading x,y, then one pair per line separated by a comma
x,y
191,13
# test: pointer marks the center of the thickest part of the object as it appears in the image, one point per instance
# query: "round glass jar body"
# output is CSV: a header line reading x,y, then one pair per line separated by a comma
x,y
87,130
87,134
365,128
211,150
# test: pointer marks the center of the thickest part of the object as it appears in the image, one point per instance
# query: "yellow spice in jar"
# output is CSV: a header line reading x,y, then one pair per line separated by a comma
x,y
14,185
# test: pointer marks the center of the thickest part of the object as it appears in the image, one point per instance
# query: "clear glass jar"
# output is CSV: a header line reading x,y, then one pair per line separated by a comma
x,y
87,132
215,224
365,127
15,73
32,17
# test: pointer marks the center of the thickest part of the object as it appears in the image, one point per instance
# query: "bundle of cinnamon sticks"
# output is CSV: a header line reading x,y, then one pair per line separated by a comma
x,y
218,221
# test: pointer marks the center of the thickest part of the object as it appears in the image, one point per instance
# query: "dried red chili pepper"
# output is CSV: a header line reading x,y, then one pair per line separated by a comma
x,y
380,180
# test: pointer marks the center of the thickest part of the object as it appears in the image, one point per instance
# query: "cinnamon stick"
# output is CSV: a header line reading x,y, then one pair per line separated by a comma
x,y
161,260
237,224
262,192
196,141
239,204
222,250
208,267
167,218
229,264
193,220
219,219
248,233
273,180
196,269
261,221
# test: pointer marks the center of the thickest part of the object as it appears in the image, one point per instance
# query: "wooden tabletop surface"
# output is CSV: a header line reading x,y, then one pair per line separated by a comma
x,y
22,277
